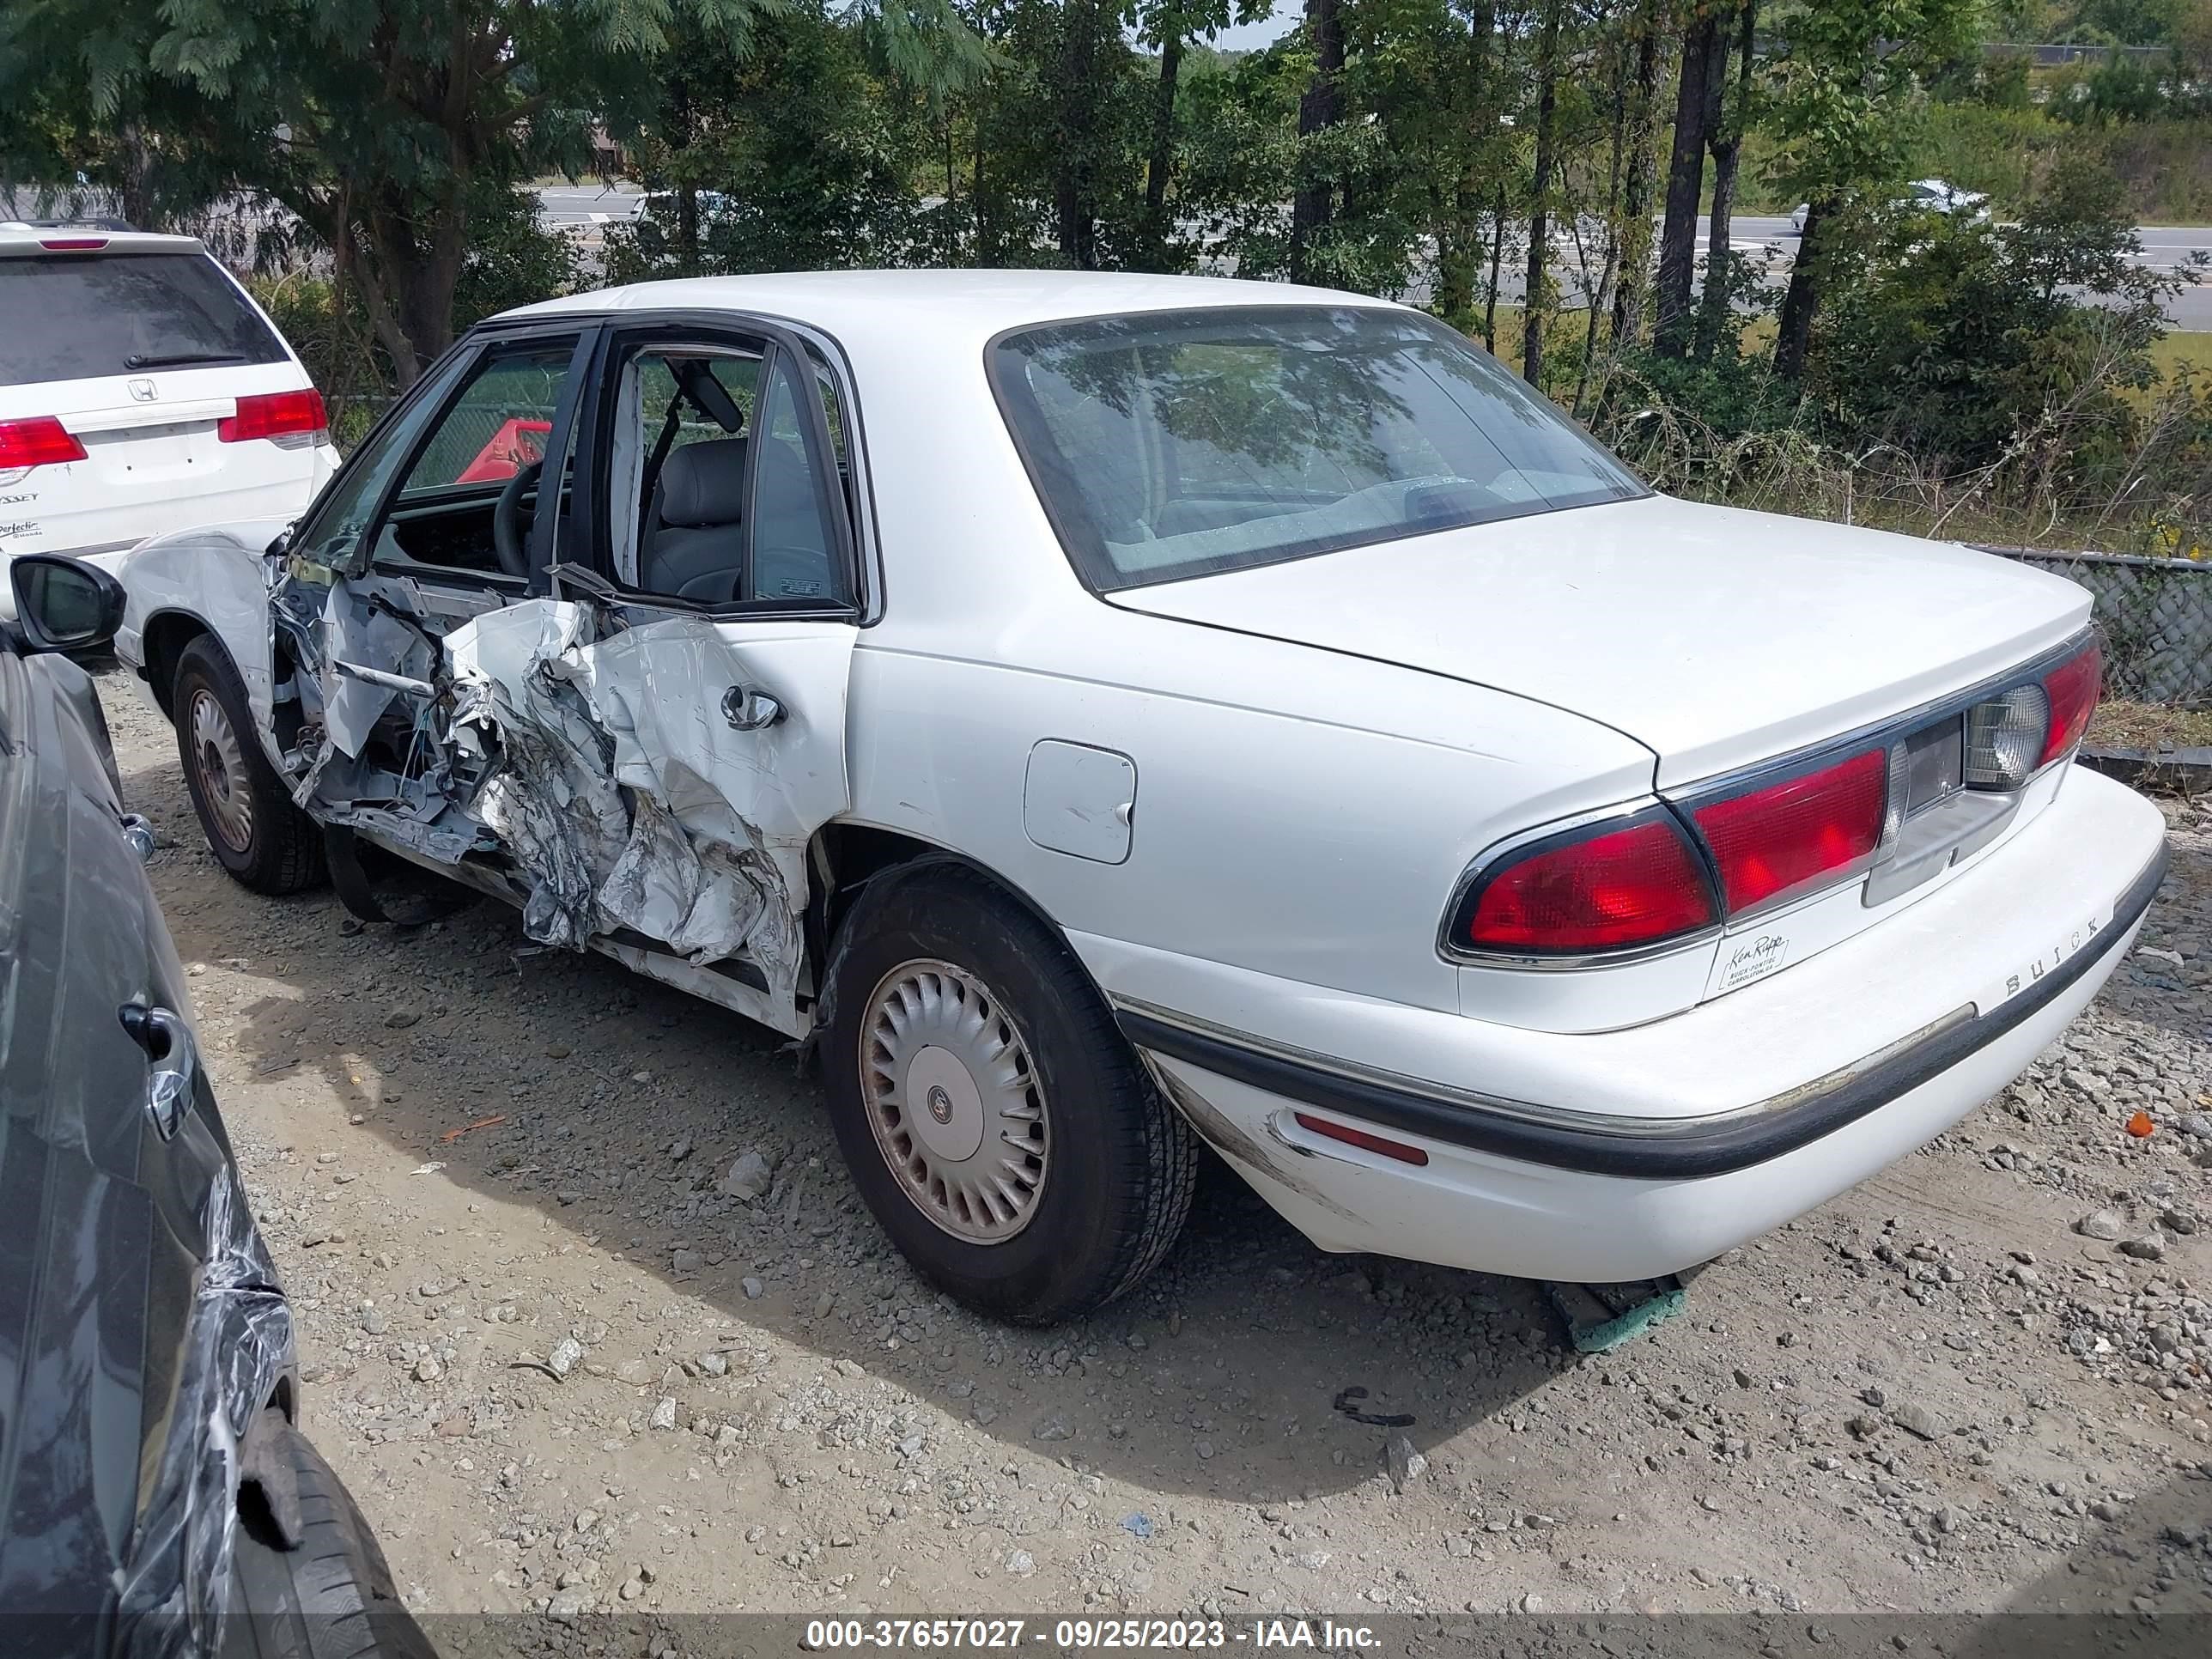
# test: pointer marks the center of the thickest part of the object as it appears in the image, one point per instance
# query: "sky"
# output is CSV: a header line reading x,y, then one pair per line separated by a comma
x,y
1246,36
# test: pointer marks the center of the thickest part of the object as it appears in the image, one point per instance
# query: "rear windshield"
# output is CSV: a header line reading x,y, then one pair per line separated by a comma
x,y
1175,444
87,316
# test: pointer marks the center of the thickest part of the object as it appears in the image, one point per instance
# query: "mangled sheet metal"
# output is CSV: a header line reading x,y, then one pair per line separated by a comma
x,y
527,729
604,803
237,1346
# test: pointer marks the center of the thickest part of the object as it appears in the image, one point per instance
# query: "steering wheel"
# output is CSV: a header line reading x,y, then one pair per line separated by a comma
x,y
507,522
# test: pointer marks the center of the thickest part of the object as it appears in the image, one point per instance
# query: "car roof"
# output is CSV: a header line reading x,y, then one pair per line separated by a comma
x,y
19,237
974,304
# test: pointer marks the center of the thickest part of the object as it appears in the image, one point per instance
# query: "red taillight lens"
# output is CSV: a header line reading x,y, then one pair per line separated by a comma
x,y
39,441
276,414
1776,840
72,244
2073,689
1631,885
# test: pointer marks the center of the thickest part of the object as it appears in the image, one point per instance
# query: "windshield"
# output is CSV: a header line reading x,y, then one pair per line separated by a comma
x,y
124,313
1173,444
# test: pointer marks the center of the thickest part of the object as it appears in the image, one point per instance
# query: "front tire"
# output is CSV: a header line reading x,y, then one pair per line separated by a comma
x,y
245,812
998,1125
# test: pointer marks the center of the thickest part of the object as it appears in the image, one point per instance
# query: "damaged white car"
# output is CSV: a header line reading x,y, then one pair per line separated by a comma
x,y
1093,710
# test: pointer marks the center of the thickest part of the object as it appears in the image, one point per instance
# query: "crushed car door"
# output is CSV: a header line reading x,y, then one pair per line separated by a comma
x,y
430,525
659,741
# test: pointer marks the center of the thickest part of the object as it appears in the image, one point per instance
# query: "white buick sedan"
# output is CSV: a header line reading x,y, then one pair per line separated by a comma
x,y
1100,714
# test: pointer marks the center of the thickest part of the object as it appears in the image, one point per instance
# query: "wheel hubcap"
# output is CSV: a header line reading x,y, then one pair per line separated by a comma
x,y
219,767
954,1101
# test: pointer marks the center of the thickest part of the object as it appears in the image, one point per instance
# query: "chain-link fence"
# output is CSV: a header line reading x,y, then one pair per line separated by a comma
x,y
2155,616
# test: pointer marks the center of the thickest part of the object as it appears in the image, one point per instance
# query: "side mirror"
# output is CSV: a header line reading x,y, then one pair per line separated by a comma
x,y
63,604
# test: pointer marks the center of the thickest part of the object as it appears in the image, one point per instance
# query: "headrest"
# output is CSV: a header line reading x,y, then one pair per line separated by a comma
x,y
703,483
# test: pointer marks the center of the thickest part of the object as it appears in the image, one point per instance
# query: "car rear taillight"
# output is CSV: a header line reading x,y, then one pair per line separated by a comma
x,y
73,244
41,440
1604,889
2005,737
1893,803
291,419
1820,826
2072,689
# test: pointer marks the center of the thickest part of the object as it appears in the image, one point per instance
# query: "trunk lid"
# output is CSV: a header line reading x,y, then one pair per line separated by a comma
x,y
1714,637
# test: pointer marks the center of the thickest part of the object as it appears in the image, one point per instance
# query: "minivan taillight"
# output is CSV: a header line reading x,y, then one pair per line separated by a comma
x,y
1819,826
1607,888
41,440
2072,689
292,418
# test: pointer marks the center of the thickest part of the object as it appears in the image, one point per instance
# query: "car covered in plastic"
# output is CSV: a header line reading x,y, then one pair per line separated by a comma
x,y
157,1497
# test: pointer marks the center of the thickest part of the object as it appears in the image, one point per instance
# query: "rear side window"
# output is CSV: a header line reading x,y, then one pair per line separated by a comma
x,y
124,313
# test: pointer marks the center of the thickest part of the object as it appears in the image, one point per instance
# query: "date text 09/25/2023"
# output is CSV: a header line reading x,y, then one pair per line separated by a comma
x,y
1087,1634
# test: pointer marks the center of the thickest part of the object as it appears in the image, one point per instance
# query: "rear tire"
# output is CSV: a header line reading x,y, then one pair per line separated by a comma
x,y
994,1118
245,812
328,1597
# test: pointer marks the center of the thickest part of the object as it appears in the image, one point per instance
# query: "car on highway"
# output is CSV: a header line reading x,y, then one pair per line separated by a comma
x,y
160,1497
1092,712
141,390
1923,195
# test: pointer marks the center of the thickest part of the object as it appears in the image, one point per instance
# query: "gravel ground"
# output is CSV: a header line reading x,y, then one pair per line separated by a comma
x,y
590,1317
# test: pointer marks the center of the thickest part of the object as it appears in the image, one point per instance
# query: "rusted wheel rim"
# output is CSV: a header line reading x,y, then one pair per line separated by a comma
x,y
219,768
954,1101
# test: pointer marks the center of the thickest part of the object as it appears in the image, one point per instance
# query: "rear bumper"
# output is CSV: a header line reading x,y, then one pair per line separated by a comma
x,y
1701,1146
1648,1150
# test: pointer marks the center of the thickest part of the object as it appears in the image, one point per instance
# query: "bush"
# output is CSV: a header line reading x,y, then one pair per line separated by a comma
x,y
1964,339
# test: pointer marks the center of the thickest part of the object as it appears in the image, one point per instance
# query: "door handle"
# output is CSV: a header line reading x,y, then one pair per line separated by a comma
x,y
170,1058
749,708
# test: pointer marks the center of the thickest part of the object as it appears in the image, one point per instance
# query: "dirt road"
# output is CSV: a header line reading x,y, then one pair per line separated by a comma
x,y
563,1369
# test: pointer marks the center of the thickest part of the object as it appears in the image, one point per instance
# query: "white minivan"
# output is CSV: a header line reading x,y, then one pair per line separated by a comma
x,y
141,390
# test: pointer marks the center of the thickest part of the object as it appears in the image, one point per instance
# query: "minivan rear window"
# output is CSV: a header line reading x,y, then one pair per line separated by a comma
x,y
88,316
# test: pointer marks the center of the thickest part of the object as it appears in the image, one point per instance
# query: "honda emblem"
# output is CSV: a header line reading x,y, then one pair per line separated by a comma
x,y
142,391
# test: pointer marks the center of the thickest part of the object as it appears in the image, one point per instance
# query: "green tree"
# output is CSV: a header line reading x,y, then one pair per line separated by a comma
x,y
797,152
1537,297
376,123
1168,26
1966,340
1842,82
1320,110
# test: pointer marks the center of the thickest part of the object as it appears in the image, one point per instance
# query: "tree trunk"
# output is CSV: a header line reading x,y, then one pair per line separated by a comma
x,y
1497,264
1685,180
1793,337
137,202
1074,197
1728,149
1320,108
1535,306
1458,242
1162,162
1634,263
687,188
406,283
1599,303
985,251
951,194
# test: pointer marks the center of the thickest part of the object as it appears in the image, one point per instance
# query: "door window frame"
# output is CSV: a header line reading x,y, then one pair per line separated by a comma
x,y
775,344
472,351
